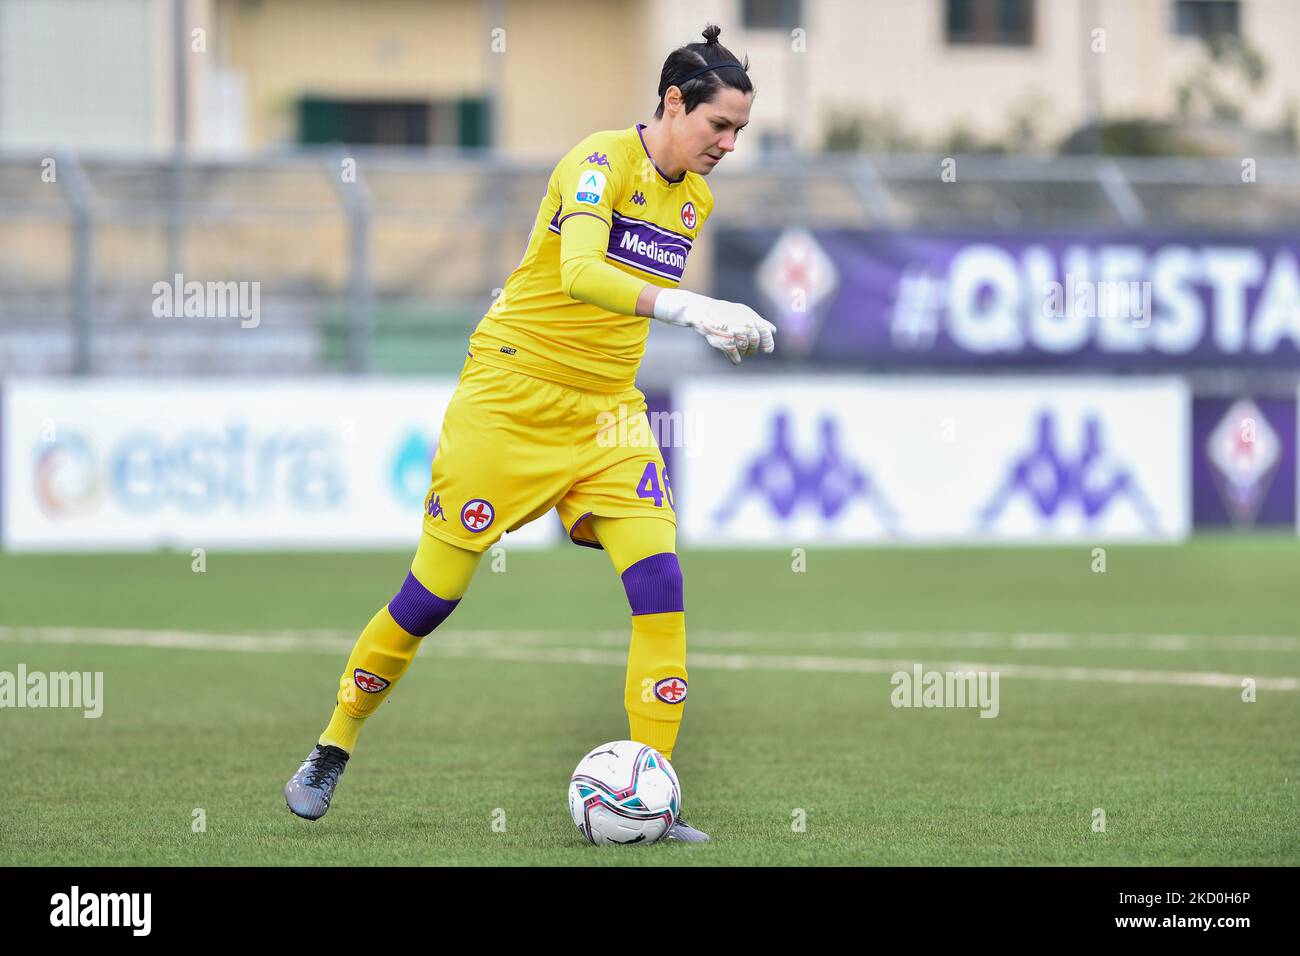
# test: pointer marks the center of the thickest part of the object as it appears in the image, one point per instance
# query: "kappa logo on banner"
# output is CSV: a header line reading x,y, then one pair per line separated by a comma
x,y
477,515
591,186
827,482
370,683
671,690
1052,480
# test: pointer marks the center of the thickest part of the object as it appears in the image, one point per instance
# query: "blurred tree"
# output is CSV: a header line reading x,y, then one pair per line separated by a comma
x,y
1133,136
1216,90
872,132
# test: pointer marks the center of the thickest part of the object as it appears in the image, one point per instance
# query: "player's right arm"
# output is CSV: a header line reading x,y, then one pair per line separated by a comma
x,y
731,327
588,195
589,190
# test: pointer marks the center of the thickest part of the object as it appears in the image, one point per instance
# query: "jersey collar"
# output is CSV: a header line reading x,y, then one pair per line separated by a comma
x,y
662,175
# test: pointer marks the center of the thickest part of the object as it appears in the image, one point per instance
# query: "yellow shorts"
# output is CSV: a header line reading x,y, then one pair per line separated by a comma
x,y
513,447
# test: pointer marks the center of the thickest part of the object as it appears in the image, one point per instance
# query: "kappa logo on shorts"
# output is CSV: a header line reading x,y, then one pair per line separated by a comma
x,y
477,515
370,683
434,507
671,690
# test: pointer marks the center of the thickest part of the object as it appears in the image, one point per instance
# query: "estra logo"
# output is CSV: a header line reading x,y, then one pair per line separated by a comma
x,y
66,476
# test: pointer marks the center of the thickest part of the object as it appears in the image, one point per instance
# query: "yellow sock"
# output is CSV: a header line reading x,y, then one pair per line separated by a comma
x,y
384,650
342,731
380,657
656,674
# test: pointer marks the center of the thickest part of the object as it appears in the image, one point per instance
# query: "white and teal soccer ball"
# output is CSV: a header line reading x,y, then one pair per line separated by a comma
x,y
624,792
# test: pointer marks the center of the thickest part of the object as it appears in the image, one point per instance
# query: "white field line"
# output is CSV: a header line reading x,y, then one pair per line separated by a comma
x,y
803,640
527,646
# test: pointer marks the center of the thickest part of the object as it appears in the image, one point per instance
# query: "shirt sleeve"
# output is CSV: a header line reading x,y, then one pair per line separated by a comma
x,y
589,190
584,273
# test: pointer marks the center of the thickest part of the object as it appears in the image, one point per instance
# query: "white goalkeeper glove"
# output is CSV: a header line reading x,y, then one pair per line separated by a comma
x,y
728,326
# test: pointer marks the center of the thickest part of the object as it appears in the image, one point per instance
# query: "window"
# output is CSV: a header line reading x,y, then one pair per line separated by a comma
x,y
770,14
1207,18
994,22
393,122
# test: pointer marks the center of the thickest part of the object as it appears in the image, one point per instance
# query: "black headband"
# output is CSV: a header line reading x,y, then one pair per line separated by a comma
x,y
705,69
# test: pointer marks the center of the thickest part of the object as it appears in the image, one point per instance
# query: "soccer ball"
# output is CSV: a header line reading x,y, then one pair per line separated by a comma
x,y
624,792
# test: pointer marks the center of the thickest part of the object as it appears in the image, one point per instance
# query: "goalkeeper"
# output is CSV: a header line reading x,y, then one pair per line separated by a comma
x,y
527,429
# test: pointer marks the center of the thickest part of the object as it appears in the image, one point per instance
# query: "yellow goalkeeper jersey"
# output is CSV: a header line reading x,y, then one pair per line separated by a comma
x,y
610,222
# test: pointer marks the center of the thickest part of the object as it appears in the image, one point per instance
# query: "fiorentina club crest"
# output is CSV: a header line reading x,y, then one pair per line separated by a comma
x,y
797,276
688,215
370,683
1243,450
477,515
671,690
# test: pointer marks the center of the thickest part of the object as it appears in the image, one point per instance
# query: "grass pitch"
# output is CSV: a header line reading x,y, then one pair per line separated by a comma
x,y
1119,691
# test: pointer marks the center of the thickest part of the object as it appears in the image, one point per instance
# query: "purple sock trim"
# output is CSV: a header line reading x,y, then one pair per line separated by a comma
x,y
416,609
654,584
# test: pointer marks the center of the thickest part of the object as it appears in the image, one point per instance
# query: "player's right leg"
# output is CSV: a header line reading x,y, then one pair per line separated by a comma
x,y
504,458
438,579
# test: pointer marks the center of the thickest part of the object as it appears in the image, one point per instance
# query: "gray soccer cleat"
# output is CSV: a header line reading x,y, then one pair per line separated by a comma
x,y
308,791
681,830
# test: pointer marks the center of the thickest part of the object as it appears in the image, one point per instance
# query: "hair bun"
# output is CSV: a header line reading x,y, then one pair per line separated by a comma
x,y
711,33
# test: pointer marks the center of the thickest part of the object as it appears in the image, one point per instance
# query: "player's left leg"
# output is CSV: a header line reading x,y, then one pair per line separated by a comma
x,y
644,552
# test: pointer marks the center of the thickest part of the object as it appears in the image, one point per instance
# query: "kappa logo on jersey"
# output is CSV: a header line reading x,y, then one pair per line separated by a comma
x,y
477,515
434,507
599,159
638,199
591,186
370,683
671,690
688,215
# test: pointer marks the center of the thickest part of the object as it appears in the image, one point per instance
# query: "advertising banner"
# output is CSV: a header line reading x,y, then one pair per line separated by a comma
x,y
1150,300
1244,461
819,461
105,464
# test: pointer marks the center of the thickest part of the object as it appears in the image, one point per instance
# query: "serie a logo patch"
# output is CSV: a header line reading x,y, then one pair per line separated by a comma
x,y
671,690
591,186
370,683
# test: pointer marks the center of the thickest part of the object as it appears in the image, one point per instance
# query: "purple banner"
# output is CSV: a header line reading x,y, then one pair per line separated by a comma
x,y
1119,300
1244,461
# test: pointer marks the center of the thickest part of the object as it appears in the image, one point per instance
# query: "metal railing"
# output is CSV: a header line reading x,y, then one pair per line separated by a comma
x,y
384,260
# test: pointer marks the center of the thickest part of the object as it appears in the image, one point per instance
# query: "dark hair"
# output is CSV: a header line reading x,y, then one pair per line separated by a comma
x,y
685,60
